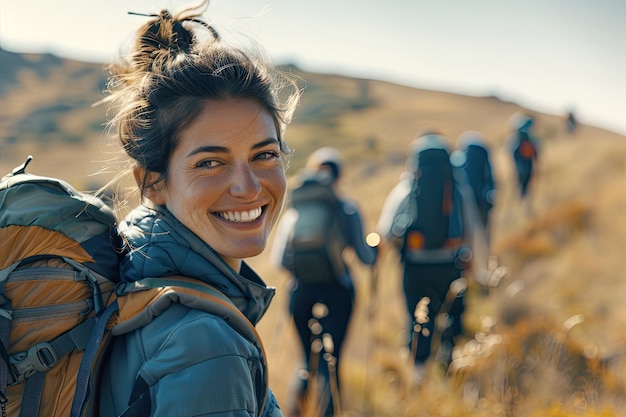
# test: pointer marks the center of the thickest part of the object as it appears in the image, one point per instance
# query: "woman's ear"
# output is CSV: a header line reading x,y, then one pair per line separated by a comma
x,y
154,191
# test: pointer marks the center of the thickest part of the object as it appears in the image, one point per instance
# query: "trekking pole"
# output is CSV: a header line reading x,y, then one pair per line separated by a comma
x,y
420,318
456,287
372,240
310,400
312,406
333,377
442,319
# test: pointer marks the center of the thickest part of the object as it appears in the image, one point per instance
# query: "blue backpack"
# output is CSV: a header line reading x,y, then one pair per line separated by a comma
x,y
424,221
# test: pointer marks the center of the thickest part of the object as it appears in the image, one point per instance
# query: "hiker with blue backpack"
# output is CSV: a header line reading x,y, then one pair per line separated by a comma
x,y
203,125
478,188
315,230
523,146
423,219
474,156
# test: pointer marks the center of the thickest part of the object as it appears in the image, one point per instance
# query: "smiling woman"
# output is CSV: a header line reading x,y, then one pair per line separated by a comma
x,y
203,125
225,179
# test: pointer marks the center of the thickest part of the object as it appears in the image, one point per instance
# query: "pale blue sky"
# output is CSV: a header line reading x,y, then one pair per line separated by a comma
x,y
548,55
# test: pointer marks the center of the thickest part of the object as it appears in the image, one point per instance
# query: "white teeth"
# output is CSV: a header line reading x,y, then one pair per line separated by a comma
x,y
241,216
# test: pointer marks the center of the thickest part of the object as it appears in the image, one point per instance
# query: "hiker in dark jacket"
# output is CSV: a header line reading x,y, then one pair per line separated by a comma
x,y
202,123
423,219
330,301
523,147
571,122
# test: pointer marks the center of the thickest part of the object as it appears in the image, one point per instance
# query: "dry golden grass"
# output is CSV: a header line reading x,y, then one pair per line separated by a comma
x,y
553,346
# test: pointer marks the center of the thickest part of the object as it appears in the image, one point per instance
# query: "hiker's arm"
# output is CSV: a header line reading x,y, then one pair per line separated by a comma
x,y
395,205
356,235
489,191
390,208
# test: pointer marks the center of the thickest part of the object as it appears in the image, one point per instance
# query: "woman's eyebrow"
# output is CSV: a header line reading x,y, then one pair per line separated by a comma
x,y
209,149
269,141
223,149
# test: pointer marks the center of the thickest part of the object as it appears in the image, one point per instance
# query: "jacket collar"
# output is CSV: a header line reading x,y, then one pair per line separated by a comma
x,y
161,246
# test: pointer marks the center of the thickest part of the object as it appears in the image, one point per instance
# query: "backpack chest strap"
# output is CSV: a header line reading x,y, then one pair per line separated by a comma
x,y
44,355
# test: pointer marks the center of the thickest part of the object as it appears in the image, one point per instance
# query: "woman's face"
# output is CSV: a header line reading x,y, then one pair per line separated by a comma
x,y
226,180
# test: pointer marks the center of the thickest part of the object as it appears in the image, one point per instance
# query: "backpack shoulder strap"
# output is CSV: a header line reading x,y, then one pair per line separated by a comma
x,y
89,358
159,293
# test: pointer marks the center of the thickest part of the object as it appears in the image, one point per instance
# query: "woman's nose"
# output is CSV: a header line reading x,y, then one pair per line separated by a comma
x,y
245,183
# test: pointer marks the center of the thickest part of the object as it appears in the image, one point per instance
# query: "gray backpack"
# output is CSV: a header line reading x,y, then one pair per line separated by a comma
x,y
315,243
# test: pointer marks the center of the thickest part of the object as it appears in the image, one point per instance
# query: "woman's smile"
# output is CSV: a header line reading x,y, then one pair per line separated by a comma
x,y
246,216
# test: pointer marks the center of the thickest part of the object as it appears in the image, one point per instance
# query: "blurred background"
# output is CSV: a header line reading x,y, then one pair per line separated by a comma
x,y
548,340
551,56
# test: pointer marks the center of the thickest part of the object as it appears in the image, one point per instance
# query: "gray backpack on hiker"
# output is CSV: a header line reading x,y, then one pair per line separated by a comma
x,y
315,244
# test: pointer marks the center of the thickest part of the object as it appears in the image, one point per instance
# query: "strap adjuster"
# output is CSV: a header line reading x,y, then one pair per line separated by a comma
x,y
38,358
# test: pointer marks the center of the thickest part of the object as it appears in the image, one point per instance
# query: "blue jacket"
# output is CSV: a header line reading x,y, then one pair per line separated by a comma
x,y
194,361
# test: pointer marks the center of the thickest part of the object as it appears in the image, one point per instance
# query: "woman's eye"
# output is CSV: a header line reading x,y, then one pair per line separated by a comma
x,y
208,164
268,155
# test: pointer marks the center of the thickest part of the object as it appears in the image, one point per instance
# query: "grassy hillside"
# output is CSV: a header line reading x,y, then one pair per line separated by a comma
x,y
547,341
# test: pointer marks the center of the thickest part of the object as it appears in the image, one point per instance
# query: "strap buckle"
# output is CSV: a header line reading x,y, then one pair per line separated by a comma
x,y
38,358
